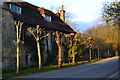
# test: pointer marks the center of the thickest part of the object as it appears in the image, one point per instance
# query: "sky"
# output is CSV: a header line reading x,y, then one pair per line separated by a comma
x,y
85,13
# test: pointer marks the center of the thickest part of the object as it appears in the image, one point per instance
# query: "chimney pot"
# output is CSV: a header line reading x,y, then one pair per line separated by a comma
x,y
58,12
62,7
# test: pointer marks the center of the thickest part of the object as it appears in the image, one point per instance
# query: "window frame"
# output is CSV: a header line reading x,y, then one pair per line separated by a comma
x,y
15,8
46,18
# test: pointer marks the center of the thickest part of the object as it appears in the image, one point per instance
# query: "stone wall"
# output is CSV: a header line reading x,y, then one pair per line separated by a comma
x,y
8,36
8,46
0,39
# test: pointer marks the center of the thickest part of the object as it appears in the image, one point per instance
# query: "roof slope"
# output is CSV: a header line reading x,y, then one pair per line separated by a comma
x,y
32,16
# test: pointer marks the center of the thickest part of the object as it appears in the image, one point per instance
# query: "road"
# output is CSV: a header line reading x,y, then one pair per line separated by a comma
x,y
100,69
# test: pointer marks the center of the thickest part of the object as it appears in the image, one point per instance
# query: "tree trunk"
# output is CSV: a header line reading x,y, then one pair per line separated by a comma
x,y
93,54
73,56
59,44
107,23
98,53
17,45
90,55
59,56
39,55
108,54
17,58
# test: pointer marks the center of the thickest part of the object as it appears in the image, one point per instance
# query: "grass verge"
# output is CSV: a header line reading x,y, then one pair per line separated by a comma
x,y
44,68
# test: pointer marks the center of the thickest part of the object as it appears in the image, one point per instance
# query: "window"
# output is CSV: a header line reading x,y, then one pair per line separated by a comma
x,y
47,18
15,8
26,60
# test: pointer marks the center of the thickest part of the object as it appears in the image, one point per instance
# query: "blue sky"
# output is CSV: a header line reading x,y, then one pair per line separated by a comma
x,y
84,12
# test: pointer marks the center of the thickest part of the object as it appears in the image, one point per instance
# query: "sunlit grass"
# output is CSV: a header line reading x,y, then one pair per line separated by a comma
x,y
43,69
66,64
29,71
80,62
23,72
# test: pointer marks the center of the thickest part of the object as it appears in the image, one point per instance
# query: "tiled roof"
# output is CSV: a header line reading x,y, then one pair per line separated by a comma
x,y
32,16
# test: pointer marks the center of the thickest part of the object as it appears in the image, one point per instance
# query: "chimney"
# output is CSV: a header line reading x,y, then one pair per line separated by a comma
x,y
62,13
58,13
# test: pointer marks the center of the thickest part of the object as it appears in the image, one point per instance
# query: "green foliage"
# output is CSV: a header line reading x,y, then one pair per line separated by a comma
x,y
111,12
116,53
79,46
76,47
67,47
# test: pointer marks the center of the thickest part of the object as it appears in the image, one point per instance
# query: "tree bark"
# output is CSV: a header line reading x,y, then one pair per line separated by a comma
x,y
18,35
73,56
59,44
17,58
90,55
108,54
59,56
39,55
73,52
17,47
98,53
93,54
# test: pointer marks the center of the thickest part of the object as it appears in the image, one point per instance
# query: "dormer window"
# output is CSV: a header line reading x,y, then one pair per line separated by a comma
x,y
47,18
43,13
15,8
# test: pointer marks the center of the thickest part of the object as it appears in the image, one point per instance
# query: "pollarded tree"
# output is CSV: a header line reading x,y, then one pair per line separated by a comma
x,y
18,26
37,33
58,39
72,46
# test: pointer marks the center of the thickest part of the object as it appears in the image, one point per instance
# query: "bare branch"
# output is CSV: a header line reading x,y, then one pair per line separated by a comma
x,y
29,29
21,23
40,30
44,36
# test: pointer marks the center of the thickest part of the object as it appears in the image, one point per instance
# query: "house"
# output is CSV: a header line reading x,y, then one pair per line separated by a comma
x,y
31,16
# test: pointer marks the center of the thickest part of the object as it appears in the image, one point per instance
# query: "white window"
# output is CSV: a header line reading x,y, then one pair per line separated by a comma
x,y
15,8
47,18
